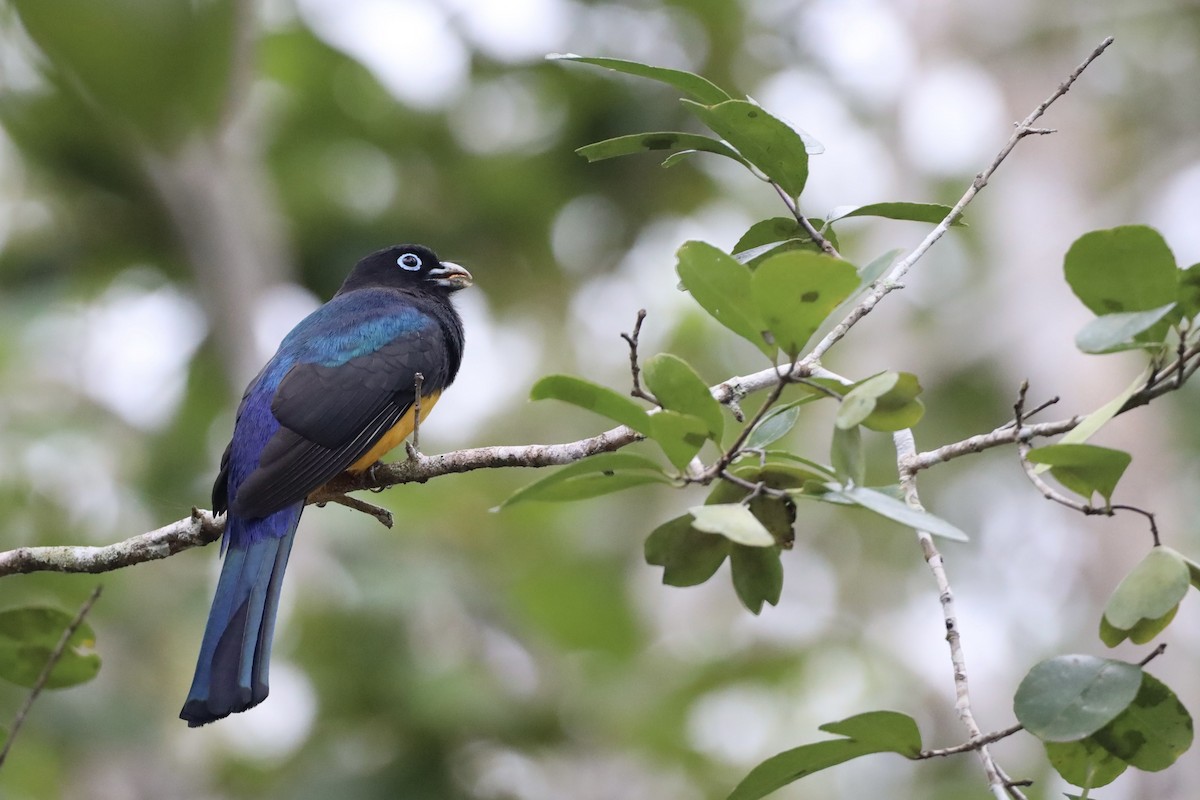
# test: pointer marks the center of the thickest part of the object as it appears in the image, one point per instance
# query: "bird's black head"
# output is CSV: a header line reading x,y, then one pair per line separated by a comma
x,y
407,266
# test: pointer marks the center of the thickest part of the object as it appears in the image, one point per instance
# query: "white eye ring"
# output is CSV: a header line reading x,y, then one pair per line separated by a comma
x,y
409,261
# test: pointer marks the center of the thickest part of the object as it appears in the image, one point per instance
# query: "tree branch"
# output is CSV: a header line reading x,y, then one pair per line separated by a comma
x,y
1001,787
202,528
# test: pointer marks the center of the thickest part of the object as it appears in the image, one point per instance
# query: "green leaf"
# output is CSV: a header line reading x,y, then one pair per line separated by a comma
x,y
677,386
1193,573
848,457
899,407
777,514
679,435
689,557
1149,593
28,637
896,510
776,235
1098,418
657,141
1111,332
593,397
859,402
722,288
773,427
768,143
1084,763
1189,291
890,731
734,521
878,267
913,212
593,476
1084,468
872,732
700,88
757,575
1066,698
794,292
1153,731
1123,269
777,423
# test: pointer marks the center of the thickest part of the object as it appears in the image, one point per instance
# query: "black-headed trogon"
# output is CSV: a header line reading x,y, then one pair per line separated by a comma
x,y
337,395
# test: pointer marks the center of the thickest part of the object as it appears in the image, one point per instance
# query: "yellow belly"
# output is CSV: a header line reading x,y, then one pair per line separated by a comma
x,y
398,433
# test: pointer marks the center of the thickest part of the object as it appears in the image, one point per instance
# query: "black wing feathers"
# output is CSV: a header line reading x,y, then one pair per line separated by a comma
x,y
332,415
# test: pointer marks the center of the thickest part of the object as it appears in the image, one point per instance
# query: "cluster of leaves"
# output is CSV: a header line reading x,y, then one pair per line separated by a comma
x,y
780,285
1098,716
776,290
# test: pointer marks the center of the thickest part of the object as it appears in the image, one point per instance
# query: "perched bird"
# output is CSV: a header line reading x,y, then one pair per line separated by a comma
x,y
338,394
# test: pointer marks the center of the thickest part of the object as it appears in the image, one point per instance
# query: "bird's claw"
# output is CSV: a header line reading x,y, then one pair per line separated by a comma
x,y
373,476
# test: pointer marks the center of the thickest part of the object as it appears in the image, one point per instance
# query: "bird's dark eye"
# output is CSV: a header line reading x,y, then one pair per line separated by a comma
x,y
409,261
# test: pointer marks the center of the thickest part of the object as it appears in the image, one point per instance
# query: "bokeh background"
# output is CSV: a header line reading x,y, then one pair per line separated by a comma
x,y
180,182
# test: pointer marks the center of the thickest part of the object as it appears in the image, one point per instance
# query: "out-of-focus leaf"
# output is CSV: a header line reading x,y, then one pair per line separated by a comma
x,y
899,407
848,457
689,557
29,635
679,435
722,288
1152,732
1148,595
1084,468
768,143
872,732
596,475
794,292
1084,763
1111,332
757,575
1189,291
913,212
677,386
878,267
1067,698
734,521
883,402
657,141
160,67
701,88
896,510
1098,418
1129,268
593,397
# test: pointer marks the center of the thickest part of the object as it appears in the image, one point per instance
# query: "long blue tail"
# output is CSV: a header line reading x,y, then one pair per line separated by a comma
x,y
231,673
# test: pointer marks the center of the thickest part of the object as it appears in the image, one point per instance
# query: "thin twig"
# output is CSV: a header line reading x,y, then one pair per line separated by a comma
x,y
803,222
55,656
1048,491
973,744
783,377
634,369
382,514
1155,653
892,280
